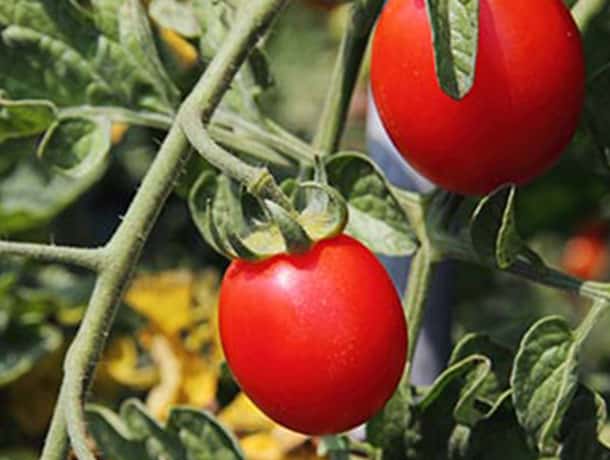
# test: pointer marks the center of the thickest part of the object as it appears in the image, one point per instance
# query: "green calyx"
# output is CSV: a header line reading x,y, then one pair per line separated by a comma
x,y
256,225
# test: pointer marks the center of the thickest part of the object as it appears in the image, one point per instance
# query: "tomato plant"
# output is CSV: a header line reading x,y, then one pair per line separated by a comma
x,y
292,326
523,108
146,135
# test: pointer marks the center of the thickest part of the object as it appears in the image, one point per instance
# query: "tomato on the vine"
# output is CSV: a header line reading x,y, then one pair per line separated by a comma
x,y
586,254
521,112
317,340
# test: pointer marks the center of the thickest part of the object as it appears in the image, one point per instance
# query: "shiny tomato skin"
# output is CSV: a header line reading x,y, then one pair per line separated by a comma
x,y
317,340
522,110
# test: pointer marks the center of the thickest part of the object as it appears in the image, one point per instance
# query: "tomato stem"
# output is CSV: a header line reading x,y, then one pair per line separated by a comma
x,y
81,257
345,74
416,297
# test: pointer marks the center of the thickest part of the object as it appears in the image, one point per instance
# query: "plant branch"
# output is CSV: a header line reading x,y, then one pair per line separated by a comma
x,y
584,11
416,296
124,249
345,75
258,181
284,141
80,257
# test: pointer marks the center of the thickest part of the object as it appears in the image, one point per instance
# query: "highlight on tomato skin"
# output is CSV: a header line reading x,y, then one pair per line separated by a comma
x,y
317,340
521,113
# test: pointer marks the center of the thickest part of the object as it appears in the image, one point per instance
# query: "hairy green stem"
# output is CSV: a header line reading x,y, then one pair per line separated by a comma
x,y
285,142
251,139
415,299
584,11
123,251
80,257
258,181
599,308
237,142
345,74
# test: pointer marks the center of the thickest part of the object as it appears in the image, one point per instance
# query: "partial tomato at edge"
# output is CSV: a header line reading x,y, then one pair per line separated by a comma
x,y
317,340
523,108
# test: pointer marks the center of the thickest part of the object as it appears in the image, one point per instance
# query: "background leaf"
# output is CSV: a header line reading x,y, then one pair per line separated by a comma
x,y
22,345
375,216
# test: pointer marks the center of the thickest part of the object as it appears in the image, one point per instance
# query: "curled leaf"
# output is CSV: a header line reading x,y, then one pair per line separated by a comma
x,y
375,215
77,147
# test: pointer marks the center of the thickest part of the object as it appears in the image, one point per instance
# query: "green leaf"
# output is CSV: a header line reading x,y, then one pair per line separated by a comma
x,y
497,382
22,346
75,59
453,375
159,443
436,412
176,15
112,436
390,429
214,206
106,17
216,19
25,118
499,438
493,230
375,216
136,36
581,427
202,435
14,150
30,195
78,147
455,35
53,70
544,379
189,434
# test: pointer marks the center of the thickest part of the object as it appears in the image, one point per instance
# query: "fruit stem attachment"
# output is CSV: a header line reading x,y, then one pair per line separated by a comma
x,y
363,15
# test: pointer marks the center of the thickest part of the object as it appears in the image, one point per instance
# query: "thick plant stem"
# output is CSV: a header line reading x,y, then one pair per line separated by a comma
x,y
124,249
345,74
415,299
80,257
584,11
56,443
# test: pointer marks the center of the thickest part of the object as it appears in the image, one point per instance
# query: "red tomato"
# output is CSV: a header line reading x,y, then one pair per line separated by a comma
x,y
586,254
521,112
318,340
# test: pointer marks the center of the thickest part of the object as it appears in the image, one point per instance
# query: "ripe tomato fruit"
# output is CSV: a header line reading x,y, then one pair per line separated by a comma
x,y
317,340
522,110
586,254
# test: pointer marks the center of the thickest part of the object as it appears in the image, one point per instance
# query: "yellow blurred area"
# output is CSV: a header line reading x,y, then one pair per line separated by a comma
x,y
185,53
117,132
